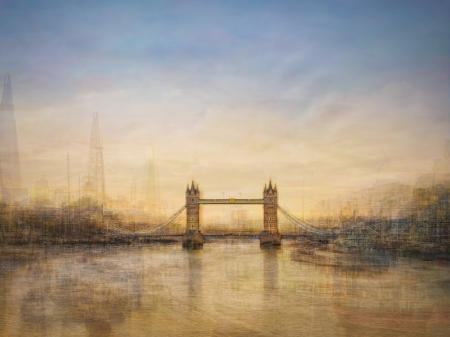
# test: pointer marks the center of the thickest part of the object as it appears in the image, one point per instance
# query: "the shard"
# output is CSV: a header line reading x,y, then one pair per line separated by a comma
x,y
11,186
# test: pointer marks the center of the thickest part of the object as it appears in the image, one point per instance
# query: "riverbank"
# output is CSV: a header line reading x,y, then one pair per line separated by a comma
x,y
322,253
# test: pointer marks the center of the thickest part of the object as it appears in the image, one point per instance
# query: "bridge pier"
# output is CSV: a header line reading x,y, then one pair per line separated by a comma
x,y
268,239
193,238
270,235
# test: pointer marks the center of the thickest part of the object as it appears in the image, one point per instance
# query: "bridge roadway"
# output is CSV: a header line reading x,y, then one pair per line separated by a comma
x,y
232,201
178,237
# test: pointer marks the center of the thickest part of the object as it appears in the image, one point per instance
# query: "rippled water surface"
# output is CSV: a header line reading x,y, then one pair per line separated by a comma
x,y
226,289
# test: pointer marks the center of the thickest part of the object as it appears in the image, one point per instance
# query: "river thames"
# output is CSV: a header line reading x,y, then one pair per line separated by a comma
x,y
229,288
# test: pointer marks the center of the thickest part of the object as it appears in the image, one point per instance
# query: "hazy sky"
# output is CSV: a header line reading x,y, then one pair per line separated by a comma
x,y
323,96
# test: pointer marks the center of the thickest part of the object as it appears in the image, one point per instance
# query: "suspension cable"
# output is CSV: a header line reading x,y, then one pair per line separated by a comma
x,y
150,230
302,224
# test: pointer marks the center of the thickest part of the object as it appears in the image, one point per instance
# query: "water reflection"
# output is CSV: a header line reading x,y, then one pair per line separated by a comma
x,y
271,294
194,272
94,288
270,258
227,289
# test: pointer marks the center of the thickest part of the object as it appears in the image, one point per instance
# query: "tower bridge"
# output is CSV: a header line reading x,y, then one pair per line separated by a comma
x,y
193,238
269,236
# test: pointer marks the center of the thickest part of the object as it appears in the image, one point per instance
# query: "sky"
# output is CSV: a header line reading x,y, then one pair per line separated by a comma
x,y
324,98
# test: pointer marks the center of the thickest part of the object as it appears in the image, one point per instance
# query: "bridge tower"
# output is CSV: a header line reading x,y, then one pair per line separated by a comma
x,y
193,238
270,235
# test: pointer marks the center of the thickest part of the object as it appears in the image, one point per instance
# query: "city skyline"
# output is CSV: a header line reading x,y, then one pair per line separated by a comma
x,y
149,181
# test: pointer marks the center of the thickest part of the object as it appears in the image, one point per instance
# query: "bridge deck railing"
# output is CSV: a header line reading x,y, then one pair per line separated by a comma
x,y
232,201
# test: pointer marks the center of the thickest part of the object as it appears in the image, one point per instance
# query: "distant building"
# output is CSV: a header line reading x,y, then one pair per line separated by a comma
x,y
95,184
10,182
41,192
152,195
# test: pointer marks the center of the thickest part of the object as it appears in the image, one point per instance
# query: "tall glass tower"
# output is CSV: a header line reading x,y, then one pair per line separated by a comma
x,y
11,185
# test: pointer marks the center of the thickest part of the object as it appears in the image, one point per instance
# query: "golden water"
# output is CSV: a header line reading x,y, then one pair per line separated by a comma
x,y
226,289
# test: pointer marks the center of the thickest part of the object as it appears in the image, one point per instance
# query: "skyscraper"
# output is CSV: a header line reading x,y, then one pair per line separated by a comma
x,y
152,193
11,188
95,185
